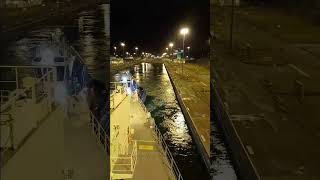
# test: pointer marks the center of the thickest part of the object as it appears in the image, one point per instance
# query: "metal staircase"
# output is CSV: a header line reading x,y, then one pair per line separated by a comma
x,y
123,165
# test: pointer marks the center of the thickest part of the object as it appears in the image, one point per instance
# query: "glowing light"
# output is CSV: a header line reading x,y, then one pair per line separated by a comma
x,y
124,79
129,90
184,31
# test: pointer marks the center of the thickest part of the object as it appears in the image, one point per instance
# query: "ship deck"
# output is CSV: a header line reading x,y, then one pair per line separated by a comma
x,y
60,146
151,161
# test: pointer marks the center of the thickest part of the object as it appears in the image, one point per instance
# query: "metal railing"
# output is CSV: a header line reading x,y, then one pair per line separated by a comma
x,y
99,132
6,120
4,96
114,91
132,158
36,89
13,75
14,125
164,147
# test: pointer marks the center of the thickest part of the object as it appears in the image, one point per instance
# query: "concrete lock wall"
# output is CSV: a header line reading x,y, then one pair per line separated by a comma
x,y
200,147
241,160
224,2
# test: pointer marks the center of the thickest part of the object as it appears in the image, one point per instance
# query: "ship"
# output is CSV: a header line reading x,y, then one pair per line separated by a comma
x,y
52,125
137,147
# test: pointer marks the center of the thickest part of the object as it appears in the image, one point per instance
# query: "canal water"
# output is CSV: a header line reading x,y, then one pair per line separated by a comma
x,y
88,32
221,165
161,102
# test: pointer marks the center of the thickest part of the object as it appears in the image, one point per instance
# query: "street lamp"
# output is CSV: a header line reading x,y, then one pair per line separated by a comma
x,y
115,50
183,32
136,48
171,46
188,51
123,45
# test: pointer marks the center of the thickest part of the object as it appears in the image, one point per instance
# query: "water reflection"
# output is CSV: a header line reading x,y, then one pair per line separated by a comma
x,y
20,52
93,43
221,164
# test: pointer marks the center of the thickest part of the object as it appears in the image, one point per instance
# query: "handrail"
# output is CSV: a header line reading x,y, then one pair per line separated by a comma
x,y
132,158
7,122
4,94
20,92
16,76
112,103
99,132
161,142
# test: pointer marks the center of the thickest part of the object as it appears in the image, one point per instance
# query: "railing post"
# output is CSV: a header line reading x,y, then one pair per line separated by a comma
x,y
33,90
105,142
17,79
98,131
11,131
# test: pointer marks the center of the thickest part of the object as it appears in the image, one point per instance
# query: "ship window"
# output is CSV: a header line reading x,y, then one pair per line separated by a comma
x,y
58,59
60,73
37,59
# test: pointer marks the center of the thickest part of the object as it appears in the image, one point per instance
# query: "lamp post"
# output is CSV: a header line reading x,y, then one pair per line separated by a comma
x,y
136,48
231,24
183,32
115,50
171,46
188,51
123,45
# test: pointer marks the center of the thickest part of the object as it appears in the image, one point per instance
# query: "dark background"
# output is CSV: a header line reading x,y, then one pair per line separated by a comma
x,y
152,24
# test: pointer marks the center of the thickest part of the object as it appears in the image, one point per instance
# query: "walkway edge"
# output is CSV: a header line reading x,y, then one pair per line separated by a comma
x,y
240,157
200,147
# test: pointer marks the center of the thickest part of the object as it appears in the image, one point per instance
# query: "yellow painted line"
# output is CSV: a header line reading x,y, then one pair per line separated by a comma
x,y
145,147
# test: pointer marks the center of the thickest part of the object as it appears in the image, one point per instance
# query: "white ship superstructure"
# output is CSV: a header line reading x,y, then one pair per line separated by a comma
x,y
47,128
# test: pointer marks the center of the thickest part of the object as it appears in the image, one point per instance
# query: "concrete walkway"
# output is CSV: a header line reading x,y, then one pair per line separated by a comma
x,y
278,127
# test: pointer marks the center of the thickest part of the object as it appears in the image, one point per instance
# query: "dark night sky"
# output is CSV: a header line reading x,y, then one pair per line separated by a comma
x,y
151,24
